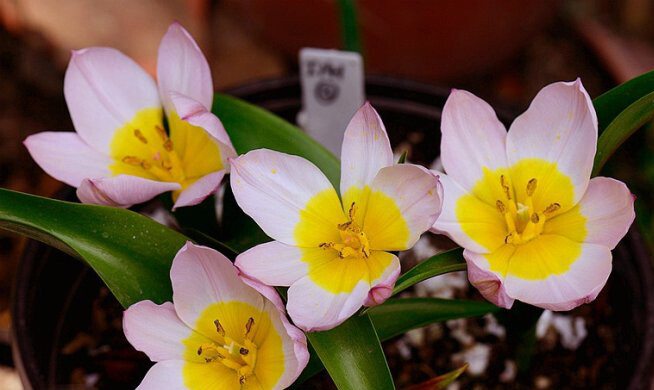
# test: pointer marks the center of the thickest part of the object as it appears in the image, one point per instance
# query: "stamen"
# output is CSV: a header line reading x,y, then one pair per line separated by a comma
x,y
131,160
552,208
535,218
531,186
248,326
327,245
140,136
241,380
219,328
352,211
500,206
243,351
200,350
145,165
506,188
162,133
168,145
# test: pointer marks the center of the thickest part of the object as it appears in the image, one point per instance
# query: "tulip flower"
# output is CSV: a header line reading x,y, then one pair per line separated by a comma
x,y
334,253
218,333
535,227
121,153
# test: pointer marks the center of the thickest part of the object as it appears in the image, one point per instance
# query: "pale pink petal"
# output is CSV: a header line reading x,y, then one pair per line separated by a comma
x,y
366,149
580,284
64,156
382,288
312,308
273,263
181,67
296,353
473,138
198,191
155,330
202,276
560,126
197,114
165,375
608,206
415,192
461,228
489,283
104,90
122,190
273,188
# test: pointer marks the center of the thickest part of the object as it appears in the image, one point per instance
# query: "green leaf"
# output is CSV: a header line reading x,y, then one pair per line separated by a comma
x,y
396,316
250,127
353,355
403,157
440,382
131,253
610,104
436,265
622,127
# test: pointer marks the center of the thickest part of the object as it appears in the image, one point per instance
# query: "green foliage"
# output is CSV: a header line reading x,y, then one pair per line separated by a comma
x,y
436,265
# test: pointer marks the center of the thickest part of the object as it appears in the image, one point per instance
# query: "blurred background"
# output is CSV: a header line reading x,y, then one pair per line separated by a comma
x,y
502,51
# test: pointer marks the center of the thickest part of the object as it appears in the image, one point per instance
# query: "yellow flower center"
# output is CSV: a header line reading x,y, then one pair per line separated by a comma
x,y
354,242
523,221
143,148
162,161
239,357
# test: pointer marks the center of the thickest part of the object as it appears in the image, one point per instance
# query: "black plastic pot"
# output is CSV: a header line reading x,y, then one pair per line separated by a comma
x,y
55,295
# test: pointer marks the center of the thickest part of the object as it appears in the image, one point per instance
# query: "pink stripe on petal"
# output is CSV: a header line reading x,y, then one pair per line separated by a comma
x,y
121,190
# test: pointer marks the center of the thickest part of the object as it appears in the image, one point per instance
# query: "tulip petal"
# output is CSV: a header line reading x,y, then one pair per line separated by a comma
x,y
121,190
181,67
273,263
404,202
105,90
473,138
560,127
198,191
156,330
197,114
314,308
489,283
288,197
382,288
366,149
603,216
66,157
178,374
467,220
579,284
202,276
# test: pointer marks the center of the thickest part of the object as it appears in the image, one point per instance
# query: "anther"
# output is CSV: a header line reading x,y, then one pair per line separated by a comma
x,y
326,245
219,328
248,325
168,145
552,208
145,165
352,211
162,133
505,186
131,160
243,351
500,206
535,218
531,186
241,380
200,350
140,136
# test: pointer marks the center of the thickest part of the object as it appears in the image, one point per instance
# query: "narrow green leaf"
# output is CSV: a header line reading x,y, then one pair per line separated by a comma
x,y
613,102
131,253
399,315
353,355
622,127
436,265
250,127
403,157
440,382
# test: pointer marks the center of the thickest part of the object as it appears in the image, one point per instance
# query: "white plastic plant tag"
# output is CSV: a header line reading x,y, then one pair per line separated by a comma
x,y
332,91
